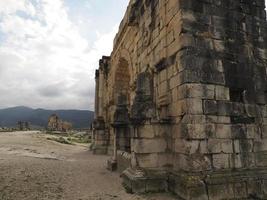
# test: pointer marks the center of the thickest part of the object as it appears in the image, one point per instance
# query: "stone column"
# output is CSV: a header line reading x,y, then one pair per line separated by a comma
x,y
120,124
96,94
100,141
101,93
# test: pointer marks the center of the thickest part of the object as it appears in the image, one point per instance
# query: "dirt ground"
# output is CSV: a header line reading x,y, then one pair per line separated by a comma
x,y
34,168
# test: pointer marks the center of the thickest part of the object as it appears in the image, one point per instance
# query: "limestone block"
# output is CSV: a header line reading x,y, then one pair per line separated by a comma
x,y
196,91
190,146
210,107
199,162
194,119
163,75
156,185
193,162
165,160
146,131
198,193
180,162
153,160
176,131
218,119
221,161
222,93
198,131
255,187
170,37
155,145
175,108
223,131
227,146
193,106
260,145
224,119
185,40
237,146
261,159
243,145
235,161
220,191
147,160
163,88
175,81
253,132
224,108
239,131
240,190
220,146
263,131
264,111
174,94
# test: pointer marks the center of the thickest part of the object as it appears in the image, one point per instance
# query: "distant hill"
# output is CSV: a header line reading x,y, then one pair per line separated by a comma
x,y
39,117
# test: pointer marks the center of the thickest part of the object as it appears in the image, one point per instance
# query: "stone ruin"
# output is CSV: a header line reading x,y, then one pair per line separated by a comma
x,y
23,126
57,124
181,102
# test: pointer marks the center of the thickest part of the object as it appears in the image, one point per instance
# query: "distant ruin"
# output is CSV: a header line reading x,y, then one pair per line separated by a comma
x,y
57,124
23,126
180,104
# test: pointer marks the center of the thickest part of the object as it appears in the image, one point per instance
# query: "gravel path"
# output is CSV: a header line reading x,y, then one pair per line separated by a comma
x,y
34,168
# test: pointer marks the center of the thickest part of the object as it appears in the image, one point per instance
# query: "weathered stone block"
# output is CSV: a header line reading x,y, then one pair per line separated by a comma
x,y
261,145
191,146
255,189
224,108
235,161
222,191
197,91
148,160
193,106
155,145
221,161
194,119
240,190
222,93
210,107
198,131
223,131
220,146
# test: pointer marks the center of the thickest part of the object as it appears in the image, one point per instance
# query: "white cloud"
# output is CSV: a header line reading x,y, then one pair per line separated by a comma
x,y
45,62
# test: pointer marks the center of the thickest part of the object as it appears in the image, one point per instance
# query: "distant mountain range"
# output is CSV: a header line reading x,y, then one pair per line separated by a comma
x,y
39,117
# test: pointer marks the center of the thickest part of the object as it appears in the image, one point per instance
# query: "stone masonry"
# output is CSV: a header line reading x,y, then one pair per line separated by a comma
x,y
181,102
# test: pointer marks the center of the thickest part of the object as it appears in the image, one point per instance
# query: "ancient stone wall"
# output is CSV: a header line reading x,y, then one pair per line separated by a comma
x,y
184,92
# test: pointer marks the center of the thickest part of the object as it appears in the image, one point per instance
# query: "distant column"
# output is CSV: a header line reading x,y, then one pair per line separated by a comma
x,y
96,93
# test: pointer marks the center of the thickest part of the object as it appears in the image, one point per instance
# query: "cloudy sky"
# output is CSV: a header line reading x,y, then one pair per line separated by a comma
x,y
49,50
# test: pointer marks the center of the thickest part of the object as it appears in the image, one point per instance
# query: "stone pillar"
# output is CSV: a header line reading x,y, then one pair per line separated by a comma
x,y
120,126
218,101
148,145
101,93
100,135
96,94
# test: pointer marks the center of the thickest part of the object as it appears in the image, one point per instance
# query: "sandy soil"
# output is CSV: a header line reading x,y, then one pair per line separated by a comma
x,y
34,168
